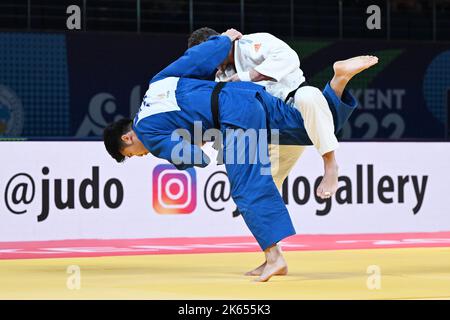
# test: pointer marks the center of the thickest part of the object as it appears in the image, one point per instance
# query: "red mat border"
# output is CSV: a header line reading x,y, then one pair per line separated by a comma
x,y
124,247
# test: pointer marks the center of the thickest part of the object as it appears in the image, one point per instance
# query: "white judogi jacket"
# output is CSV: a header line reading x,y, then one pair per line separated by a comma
x,y
269,56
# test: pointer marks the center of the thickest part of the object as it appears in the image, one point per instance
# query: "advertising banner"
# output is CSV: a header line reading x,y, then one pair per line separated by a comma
x,y
74,190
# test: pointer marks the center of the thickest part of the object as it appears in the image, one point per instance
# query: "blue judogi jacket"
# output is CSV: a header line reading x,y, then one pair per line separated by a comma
x,y
176,98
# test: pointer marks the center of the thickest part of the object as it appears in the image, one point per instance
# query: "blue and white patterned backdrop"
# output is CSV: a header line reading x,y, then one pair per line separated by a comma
x,y
34,88
73,84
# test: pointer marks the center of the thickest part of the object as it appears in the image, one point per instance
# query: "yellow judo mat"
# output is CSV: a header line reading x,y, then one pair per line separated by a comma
x,y
416,273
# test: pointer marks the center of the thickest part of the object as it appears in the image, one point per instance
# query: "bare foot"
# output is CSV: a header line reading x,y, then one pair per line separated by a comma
x,y
351,67
346,69
278,267
328,186
329,183
257,271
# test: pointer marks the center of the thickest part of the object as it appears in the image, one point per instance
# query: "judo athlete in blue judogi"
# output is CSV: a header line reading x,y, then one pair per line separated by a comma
x,y
178,99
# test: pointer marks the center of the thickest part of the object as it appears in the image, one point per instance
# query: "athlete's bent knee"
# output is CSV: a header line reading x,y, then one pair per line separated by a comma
x,y
308,97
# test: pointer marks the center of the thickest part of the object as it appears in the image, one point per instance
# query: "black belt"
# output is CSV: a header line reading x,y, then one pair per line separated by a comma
x,y
215,103
292,93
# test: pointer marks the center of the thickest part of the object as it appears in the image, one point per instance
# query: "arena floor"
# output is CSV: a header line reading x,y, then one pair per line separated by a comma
x,y
410,266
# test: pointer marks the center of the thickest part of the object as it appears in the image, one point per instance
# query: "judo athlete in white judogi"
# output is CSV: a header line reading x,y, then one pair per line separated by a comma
x,y
267,60
177,99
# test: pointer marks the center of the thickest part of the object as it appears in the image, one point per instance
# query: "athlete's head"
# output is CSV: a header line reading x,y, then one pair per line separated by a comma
x,y
201,35
121,140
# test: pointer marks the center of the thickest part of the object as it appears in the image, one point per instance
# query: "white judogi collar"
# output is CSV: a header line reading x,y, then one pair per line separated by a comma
x,y
270,56
160,97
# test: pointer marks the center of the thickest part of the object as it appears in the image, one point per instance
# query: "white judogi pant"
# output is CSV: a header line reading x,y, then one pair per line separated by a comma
x,y
319,125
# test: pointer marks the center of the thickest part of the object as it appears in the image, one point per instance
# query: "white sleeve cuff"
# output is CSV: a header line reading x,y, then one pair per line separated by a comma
x,y
244,76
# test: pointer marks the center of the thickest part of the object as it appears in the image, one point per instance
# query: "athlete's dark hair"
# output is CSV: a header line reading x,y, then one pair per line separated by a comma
x,y
112,137
201,35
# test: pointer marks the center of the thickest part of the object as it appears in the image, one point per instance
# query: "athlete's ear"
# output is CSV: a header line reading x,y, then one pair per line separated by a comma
x,y
127,138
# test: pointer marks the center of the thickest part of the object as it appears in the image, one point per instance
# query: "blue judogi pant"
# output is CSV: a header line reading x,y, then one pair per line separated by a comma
x,y
252,186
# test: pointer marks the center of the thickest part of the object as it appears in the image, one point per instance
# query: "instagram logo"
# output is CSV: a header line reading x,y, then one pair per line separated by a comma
x,y
174,191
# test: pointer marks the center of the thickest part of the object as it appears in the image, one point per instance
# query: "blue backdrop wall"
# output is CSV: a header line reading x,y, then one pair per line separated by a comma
x,y
72,85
